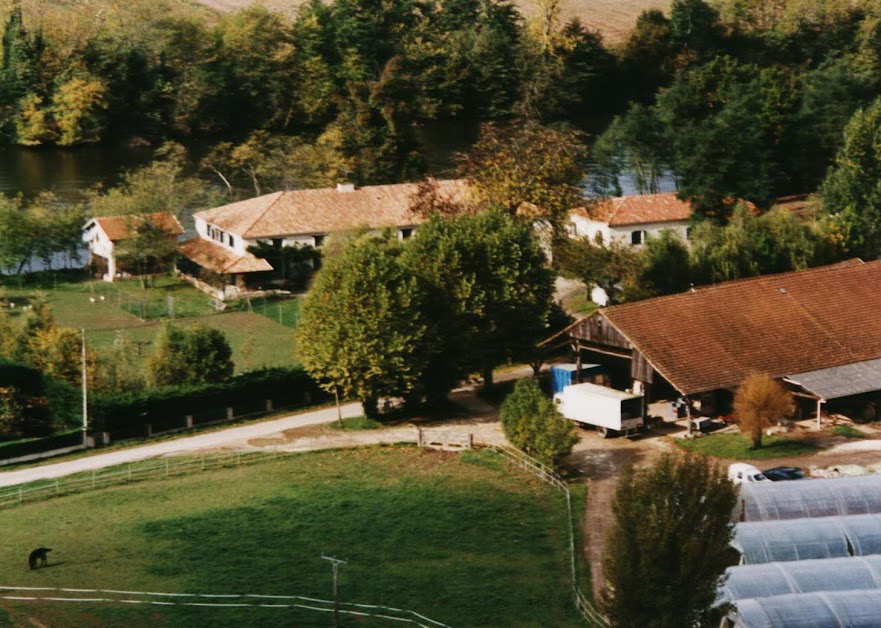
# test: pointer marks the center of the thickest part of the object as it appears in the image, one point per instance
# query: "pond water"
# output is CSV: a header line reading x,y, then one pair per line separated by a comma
x,y
71,172
67,172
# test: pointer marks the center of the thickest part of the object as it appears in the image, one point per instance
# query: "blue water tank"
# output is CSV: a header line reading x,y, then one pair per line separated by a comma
x,y
563,375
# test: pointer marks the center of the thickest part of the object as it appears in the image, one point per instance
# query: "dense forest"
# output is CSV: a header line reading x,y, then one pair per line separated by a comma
x,y
737,98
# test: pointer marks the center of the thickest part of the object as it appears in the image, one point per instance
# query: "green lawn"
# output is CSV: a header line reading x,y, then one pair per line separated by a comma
x,y
738,447
256,341
254,333
286,312
578,304
464,539
846,431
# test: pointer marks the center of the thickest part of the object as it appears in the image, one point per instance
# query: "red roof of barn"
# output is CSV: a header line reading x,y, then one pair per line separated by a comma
x,y
714,337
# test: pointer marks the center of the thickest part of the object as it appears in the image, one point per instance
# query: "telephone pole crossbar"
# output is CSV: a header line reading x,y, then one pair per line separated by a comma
x,y
335,564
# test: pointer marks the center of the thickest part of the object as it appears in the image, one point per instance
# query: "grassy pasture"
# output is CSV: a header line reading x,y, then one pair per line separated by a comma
x,y
255,335
463,539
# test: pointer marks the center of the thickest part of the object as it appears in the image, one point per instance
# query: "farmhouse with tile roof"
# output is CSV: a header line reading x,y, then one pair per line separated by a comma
x,y
102,233
632,218
299,218
803,327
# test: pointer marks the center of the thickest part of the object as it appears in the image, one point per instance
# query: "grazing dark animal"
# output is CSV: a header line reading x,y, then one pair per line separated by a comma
x,y
38,554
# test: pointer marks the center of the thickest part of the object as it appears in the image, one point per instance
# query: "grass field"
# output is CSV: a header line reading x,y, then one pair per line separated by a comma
x,y
738,447
613,19
463,539
255,335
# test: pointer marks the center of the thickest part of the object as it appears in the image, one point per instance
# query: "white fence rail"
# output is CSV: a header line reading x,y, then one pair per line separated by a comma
x,y
215,600
550,476
132,472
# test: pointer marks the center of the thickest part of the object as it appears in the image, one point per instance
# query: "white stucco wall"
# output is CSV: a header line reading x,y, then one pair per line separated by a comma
x,y
240,245
99,244
581,227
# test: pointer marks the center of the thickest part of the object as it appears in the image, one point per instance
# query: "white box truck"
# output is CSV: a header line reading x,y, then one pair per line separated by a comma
x,y
611,411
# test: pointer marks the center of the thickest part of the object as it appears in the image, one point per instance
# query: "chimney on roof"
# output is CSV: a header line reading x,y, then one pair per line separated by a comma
x,y
345,187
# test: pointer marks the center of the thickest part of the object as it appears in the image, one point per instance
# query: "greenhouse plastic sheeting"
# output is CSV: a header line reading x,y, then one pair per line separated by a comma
x,y
804,539
804,576
764,501
844,609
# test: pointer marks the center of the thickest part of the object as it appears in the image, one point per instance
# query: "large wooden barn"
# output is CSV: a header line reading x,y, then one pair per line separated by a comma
x,y
819,330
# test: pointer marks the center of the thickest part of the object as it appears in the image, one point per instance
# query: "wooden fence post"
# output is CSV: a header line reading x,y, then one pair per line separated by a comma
x,y
229,414
269,405
189,421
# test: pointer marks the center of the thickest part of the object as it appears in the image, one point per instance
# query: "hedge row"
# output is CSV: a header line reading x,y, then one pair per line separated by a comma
x,y
29,446
127,415
65,404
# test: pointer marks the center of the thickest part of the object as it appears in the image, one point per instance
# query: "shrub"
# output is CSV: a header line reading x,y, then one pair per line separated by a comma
x,y
533,424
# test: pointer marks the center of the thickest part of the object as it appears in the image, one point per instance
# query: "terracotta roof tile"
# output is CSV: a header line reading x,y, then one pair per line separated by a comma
x,y
638,209
119,227
324,211
777,324
220,260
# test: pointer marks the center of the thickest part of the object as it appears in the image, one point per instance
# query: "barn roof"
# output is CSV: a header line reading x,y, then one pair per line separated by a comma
x,y
325,210
796,322
120,227
639,209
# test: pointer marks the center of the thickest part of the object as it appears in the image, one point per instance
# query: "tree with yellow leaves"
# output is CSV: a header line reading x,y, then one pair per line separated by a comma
x,y
759,403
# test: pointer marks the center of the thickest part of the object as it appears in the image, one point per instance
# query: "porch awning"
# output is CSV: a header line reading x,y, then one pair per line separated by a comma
x,y
840,381
220,260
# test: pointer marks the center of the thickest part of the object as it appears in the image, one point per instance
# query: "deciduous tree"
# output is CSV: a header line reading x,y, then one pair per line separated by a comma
x,y
365,329
665,266
610,266
528,169
851,191
669,543
760,402
491,292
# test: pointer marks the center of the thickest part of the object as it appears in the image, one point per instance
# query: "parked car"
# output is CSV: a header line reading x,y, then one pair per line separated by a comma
x,y
780,474
742,473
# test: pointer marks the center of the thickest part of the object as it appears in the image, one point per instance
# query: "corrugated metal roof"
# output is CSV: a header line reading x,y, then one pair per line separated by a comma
x,y
841,381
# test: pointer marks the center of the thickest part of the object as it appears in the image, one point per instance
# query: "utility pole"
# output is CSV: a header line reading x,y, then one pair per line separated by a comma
x,y
85,395
335,563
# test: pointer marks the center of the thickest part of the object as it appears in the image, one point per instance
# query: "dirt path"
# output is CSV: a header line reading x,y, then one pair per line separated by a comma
x,y
600,462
